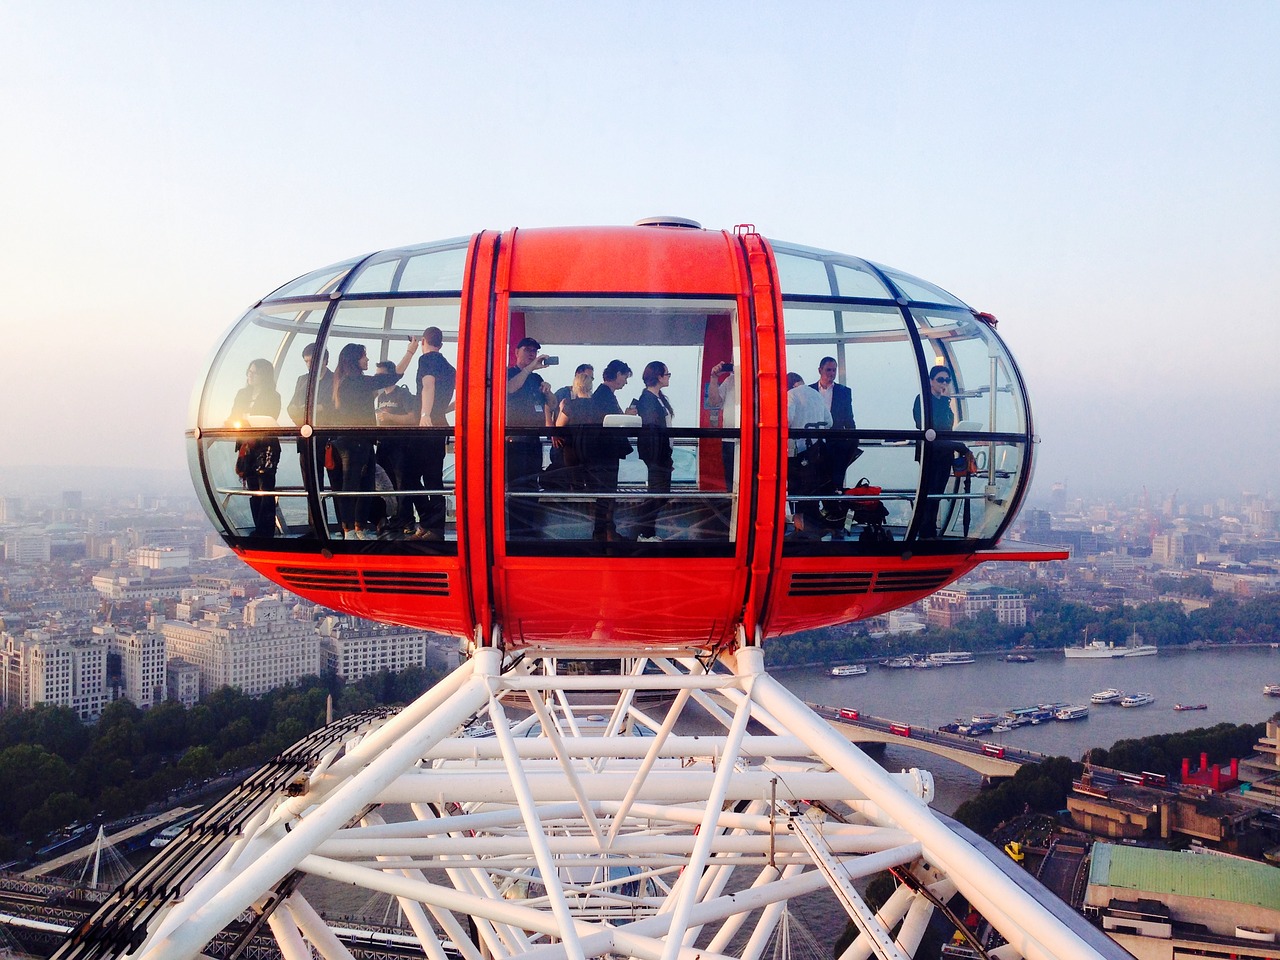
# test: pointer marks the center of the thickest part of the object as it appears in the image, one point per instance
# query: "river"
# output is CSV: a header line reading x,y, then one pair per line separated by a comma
x,y
1228,679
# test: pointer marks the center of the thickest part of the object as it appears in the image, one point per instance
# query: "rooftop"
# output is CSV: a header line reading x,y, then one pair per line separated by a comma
x,y
1144,870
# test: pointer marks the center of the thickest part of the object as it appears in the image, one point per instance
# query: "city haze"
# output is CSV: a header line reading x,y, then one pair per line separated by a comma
x,y
1103,179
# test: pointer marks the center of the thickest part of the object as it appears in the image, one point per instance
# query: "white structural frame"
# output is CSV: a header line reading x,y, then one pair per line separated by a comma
x,y
514,810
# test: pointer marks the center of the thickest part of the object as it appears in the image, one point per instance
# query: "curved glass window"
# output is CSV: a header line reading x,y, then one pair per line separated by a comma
x,y
386,468
420,269
915,289
322,281
892,456
985,393
273,442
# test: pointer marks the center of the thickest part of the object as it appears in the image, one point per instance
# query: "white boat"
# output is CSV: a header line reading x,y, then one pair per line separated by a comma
x,y
849,670
1109,695
898,663
1093,650
1102,650
1099,650
1271,689
1072,711
1136,700
948,657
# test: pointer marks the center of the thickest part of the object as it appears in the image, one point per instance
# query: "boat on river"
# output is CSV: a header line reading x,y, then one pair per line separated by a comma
x,y
1109,695
1102,650
1140,699
1191,706
1072,711
849,670
1019,658
898,663
950,657
1271,689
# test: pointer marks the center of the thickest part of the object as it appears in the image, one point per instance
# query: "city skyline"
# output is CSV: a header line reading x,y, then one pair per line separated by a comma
x,y
1109,194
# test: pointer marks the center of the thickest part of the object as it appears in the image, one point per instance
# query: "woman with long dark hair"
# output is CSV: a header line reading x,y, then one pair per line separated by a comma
x,y
353,394
258,460
655,445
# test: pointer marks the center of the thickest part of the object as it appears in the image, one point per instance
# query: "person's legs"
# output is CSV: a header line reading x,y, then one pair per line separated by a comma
x,y
262,509
524,461
659,482
604,480
431,508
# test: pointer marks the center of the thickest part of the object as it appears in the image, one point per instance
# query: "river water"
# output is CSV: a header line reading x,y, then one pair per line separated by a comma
x,y
1228,679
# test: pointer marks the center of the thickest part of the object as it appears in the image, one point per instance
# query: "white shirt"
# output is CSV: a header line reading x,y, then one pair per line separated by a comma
x,y
826,393
804,406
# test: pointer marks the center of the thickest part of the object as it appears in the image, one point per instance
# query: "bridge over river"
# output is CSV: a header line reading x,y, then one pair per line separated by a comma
x,y
989,759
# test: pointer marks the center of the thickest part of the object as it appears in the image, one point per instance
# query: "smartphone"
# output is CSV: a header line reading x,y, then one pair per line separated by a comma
x,y
727,366
551,361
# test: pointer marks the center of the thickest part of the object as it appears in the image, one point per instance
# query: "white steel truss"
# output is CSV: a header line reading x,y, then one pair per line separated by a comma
x,y
669,810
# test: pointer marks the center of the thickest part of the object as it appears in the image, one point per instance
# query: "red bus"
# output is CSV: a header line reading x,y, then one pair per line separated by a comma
x,y
993,750
846,714
901,729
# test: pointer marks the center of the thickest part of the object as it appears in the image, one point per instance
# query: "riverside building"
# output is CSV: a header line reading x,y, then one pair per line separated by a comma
x,y
255,649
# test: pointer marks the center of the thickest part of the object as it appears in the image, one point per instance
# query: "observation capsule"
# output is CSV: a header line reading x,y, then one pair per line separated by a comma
x,y
484,478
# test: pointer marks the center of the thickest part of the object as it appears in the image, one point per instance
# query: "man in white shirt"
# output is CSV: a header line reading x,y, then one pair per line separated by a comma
x,y
805,410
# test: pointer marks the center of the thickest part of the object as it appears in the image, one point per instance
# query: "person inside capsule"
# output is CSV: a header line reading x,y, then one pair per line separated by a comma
x,y
942,452
839,452
258,460
425,456
529,406
654,443
353,406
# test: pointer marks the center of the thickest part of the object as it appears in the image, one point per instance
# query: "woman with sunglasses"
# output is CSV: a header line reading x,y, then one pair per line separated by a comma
x,y
941,452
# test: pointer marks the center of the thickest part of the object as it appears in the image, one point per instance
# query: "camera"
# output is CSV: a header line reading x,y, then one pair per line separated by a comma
x,y
550,361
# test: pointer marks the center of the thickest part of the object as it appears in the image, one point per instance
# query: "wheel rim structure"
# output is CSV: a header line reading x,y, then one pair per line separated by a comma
x,y
586,820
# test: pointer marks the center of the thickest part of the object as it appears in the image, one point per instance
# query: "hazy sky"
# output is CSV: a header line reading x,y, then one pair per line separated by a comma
x,y
1105,178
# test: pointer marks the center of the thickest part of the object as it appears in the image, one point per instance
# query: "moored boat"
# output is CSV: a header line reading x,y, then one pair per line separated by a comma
x,y
948,657
898,663
849,670
1140,699
1109,695
1019,658
1072,711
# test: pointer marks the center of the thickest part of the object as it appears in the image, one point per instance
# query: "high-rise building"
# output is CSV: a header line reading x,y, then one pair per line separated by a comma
x,y
255,649
64,671
142,664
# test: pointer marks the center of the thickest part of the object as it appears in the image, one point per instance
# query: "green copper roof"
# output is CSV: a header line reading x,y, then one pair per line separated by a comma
x,y
1185,874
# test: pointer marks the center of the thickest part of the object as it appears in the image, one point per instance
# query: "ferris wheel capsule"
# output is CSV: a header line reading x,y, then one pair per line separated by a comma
x,y
618,438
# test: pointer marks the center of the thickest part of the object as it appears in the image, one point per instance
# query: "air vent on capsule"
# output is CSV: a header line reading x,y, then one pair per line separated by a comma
x,y
669,222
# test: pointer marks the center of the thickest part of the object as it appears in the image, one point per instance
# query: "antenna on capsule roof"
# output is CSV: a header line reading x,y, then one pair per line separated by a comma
x,y
668,222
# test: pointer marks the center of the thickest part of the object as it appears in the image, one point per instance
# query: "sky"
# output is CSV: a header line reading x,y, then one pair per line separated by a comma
x,y
1104,178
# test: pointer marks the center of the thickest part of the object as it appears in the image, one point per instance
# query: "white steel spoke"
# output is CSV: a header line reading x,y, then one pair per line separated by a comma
x,y
551,814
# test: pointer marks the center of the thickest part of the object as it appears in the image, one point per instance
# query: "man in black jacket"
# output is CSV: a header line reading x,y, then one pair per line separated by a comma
x,y
841,451
609,449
